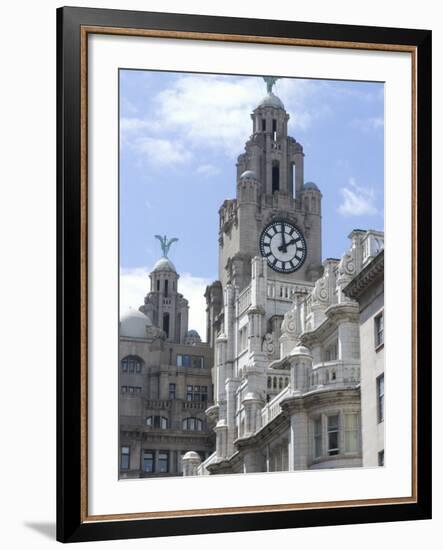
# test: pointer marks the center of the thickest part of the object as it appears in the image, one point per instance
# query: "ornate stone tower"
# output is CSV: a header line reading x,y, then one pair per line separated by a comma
x,y
275,214
164,305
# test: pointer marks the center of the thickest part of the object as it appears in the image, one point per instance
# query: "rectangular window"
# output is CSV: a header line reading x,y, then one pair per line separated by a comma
x,y
196,362
124,458
124,389
148,461
204,394
171,391
186,361
263,125
331,353
163,462
333,447
381,458
352,432
179,360
381,398
317,438
379,330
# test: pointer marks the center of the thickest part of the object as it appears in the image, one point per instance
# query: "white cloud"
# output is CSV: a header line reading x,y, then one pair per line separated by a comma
x,y
357,200
208,170
369,124
162,151
135,284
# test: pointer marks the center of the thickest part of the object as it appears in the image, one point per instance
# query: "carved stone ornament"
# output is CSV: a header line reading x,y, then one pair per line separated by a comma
x,y
289,324
268,344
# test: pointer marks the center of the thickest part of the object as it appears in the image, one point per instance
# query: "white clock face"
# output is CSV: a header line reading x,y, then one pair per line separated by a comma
x,y
283,245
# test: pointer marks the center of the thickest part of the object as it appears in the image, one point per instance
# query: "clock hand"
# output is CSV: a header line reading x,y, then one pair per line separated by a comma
x,y
283,247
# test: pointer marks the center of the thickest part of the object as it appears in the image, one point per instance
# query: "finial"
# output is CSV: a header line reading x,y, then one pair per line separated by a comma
x,y
270,81
165,244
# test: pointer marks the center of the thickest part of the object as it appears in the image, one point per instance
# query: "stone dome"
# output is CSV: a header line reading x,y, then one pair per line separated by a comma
x,y
248,174
133,324
192,456
271,100
192,337
310,185
164,264
300,350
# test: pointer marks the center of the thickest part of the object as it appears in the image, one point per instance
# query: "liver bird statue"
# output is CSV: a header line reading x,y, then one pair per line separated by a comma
x,y
165,244
270,81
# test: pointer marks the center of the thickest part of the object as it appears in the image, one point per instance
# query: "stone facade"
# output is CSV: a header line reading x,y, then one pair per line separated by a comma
x,y
368,289
165,383
287,346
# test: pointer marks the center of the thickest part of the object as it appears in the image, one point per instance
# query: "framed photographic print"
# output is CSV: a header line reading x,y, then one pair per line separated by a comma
x,y
244,270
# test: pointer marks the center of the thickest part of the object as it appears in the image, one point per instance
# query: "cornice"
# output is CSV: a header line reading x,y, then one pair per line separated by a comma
x,y
367,276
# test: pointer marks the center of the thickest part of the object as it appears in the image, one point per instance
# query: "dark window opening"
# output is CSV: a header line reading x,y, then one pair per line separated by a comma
x,y
333,448
166,287
124,458
381,458
171,391
275,177
274,129
263,125
158,285
166,324
381,398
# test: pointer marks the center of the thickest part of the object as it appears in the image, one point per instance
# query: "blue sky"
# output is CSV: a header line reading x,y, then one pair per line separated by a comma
x,y
180,136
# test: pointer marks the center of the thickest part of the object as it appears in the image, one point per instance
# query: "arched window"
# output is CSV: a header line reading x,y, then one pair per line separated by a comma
x,y
274,383
131,364
192,424
269,382
280,383
286,381
160,422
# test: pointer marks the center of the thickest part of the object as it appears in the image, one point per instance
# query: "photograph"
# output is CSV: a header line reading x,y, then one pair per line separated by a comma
x,y
251,274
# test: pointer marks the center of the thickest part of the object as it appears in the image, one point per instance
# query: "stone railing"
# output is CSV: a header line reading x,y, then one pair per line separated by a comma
x,y
280,290
200,405
158,404
244,300
272,409
334,373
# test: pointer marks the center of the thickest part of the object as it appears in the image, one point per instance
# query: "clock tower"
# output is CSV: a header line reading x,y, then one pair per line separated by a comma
x,y
275,214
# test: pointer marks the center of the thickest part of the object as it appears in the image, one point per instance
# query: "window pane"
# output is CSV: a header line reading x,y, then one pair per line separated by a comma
x,y
163,462
124,458
333,422
148,461
333,440
179,360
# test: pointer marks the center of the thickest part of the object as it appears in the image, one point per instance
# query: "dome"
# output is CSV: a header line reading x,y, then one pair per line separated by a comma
x,y
164,264
301,350
191,456
271,100
310,185
192,337
249,174
133,324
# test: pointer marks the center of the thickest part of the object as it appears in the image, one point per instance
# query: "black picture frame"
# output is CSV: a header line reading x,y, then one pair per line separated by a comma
x,y
72,524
